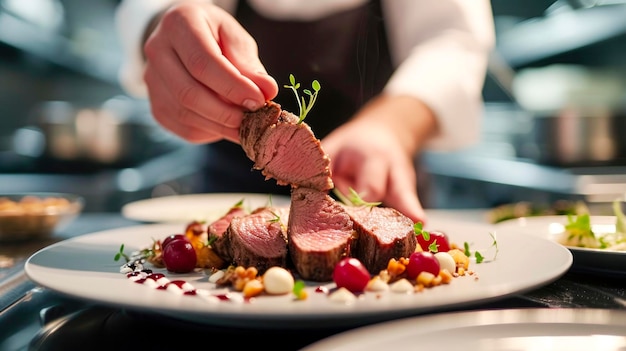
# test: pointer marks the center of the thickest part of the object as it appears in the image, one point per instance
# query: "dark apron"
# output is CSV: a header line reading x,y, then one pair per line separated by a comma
x,y
346,52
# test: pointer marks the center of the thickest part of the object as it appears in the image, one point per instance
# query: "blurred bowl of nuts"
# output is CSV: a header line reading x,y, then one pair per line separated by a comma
x,y
25,216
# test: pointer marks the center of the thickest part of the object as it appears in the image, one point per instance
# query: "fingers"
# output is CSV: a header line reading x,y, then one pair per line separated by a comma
x,y
201,42
402,192
186,123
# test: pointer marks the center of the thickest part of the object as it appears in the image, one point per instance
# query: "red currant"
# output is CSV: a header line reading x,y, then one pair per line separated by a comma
x,y
179,256
423,261
172,237
438,238
351,274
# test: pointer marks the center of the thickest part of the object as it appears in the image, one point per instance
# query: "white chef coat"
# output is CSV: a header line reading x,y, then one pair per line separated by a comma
x,y
440,49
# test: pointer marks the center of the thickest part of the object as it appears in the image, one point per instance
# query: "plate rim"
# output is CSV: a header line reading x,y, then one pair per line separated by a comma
x,y
470,318
130,209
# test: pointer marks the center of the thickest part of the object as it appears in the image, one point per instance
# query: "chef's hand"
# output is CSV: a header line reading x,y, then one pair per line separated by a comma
x,y
373,153
202,72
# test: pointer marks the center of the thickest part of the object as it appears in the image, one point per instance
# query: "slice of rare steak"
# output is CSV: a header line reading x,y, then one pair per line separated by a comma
x,y
219,226
254,125
258,239
284,149
319,233
383,233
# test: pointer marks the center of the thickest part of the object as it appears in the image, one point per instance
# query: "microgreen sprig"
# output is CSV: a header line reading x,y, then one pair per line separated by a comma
x,y
302,103
121,254
418,229
353,199
479,257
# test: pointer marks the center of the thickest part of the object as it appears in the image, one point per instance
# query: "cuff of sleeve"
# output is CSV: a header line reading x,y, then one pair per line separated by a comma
x,y
451,89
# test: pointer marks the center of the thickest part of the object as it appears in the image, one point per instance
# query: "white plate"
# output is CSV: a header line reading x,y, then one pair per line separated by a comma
x,y
185,208
587,260
83,267
495,330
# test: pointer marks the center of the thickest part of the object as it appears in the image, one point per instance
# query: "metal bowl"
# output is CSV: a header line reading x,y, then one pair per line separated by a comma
x,y
25,216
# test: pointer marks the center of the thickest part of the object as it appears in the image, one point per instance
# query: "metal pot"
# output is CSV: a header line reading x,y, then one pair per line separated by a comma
x,y
579,115
115,133
577,137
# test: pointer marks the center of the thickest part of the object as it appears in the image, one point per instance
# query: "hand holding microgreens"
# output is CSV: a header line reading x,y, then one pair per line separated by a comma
x,y
302,103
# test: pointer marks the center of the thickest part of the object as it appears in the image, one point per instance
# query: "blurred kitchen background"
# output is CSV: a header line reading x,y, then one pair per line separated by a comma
x,y
554,128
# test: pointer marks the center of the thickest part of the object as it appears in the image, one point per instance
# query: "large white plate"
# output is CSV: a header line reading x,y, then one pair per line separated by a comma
x,y
495,330
602,261
83,267
185,208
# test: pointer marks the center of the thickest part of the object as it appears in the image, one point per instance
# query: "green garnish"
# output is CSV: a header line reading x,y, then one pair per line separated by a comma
x,y
354,199
418,229
211,239
145,253
276,217
479,256
298,290
302,104
121,254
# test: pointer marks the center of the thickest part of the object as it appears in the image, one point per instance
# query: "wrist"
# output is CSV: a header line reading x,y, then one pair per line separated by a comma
x,y
408,118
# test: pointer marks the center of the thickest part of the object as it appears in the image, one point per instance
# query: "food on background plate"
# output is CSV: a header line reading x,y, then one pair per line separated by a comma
x,y
527,209
579,232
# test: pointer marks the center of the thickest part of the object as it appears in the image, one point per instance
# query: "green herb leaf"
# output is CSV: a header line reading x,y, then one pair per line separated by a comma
x,y
418,229
433,247
121,254
303,106
479,257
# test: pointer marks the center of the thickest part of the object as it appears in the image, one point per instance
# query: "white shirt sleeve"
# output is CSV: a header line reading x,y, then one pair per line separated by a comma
x,y
441,49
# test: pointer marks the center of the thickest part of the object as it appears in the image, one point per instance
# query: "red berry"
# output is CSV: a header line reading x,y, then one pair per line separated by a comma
x,y
422,262
351,274
179,256
438,238
172,237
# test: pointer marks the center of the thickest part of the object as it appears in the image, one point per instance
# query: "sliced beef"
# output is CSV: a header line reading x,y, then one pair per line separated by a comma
x,y
383,233
254,125
258,239
319,233
284,149
219,226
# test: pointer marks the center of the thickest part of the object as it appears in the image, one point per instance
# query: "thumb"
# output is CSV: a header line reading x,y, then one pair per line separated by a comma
x,y
403,197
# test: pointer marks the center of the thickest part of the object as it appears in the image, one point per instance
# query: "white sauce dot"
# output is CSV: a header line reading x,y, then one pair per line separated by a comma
x,y
173,288
342,295
402,286
378,285
278,281
446,261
